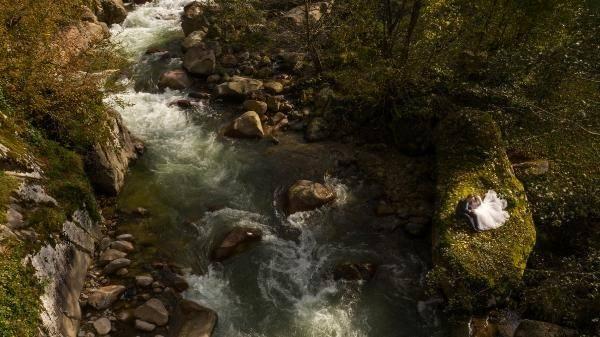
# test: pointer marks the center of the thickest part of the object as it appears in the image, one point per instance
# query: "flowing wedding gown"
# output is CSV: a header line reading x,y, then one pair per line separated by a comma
x,y
491,214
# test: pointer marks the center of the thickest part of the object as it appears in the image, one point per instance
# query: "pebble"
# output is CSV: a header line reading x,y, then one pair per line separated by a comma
x,y
116,265
125,237
144,326
144,280
102,325
122,272
124,246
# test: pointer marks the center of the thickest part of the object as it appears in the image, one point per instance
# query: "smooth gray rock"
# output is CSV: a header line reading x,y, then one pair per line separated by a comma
x,y
102,326
153,311
116,265
144,326
104,297
122,245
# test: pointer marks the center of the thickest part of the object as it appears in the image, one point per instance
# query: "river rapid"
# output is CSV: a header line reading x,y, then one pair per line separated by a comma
x,y
196,186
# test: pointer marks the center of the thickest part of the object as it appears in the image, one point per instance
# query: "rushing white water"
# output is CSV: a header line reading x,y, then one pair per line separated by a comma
x,y
280,287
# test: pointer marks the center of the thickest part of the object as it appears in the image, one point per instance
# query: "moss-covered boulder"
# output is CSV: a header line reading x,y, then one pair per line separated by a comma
x,y
472,160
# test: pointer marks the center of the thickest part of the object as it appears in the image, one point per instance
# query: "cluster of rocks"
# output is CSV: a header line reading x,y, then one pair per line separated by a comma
x,y
257,80
115,300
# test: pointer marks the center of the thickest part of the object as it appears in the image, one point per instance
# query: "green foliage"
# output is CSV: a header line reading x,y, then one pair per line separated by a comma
x,y
67,181
44,74
237,20
19,294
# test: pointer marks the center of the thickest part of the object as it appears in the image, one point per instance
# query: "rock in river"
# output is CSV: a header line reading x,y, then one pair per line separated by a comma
x,y
199,61
198,321
307,195
175,79
116,265
257,106
235,242
247,125
238,87
153,311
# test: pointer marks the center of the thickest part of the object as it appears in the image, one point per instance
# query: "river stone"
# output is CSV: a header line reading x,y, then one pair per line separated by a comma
x,y
274,103
175,79
110,255
198,321
126,237
238,87
152,311
199,61
247,125
256,106
316,130
116,265
354,271
124,246
229,61
104,297
305,195
102,325
235,242
111,11
273,87
193,40
143,280
530,328
193,18
144,326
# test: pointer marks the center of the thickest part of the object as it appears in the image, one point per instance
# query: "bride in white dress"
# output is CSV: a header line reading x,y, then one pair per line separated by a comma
x,y
490,214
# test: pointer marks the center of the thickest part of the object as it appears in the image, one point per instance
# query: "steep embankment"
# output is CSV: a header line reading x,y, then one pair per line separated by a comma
x,y
49,221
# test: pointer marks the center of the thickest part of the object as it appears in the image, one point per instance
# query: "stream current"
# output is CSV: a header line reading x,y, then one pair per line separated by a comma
x,y
197,186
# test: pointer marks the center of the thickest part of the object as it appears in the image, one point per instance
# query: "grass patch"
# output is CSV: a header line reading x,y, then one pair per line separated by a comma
x,y
7,185
66,179
20,294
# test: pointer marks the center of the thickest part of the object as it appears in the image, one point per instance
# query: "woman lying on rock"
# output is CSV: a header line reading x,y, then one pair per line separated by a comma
x,y
486,214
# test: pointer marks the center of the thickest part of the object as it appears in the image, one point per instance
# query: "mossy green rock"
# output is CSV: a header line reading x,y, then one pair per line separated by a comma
x,y
472,160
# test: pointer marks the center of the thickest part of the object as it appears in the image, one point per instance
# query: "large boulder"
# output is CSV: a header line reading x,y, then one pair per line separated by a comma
x,y
153,311
104,297
108,161
529,328
175,79
199,61
238,87
110,11
470,161
73,40
247,125
194,17
305,195
354,271
197,321
235,242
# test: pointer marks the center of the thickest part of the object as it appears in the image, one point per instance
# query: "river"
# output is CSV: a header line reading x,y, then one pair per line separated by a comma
x,y
196,186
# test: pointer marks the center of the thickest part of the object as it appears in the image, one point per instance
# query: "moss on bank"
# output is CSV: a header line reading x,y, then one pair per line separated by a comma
x,y
7,185
20,294
471,160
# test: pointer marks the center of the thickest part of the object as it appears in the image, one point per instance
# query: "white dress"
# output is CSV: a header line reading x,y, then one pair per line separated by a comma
x,y
491,214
